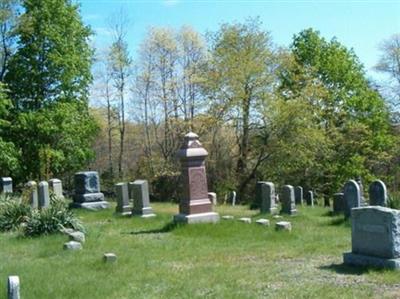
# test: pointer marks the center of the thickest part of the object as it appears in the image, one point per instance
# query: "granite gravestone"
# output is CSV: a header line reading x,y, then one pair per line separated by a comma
x,y
298,195
13,287
338,203
141,199
6,185
352,197
375,237
195,206
213,197
361,187
288,202
33,194
56,187
122,192
265,197
310,198
87,191
377,194
43,194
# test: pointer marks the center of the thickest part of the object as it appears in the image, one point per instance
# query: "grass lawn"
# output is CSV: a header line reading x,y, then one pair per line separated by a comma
x,y
225,260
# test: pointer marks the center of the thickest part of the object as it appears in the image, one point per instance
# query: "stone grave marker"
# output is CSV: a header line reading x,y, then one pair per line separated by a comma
x,y
352,197
377,194
195,206
288,202
141,198
375,237
33,194
87,191
265,197
213,197
298,195
13,287
310,198
338,203
43,195
6,185
122,192
56,187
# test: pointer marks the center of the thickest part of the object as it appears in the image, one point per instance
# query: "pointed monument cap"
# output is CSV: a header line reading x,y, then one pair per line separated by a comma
x,y
191,147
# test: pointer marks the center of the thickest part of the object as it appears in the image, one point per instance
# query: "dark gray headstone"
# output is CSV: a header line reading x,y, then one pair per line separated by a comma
x,y
351,197
298,195
121,190
338,203
287,199
87,191
378,194
33,194
56,187
141,201
265,193
43,194
6,185
13,287
310,198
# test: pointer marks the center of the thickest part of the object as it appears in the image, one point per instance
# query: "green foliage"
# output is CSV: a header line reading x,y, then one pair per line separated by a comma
x,y
394,200
13,213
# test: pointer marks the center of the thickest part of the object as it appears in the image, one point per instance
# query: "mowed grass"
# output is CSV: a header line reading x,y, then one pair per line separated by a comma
x,y
157,259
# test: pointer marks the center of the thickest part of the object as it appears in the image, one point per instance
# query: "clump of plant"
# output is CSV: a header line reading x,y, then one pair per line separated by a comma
x,y
13,212
394,201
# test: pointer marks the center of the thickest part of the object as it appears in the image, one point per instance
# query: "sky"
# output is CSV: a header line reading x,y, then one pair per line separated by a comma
x,y
358,24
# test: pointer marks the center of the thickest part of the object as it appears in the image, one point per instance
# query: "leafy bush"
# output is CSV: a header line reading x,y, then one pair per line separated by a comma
x,y
394,201
12,213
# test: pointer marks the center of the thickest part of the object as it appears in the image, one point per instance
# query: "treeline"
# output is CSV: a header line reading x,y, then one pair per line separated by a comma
x,y
303,115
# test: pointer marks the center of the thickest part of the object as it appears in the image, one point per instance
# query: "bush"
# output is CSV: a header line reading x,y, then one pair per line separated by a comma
x,y
12,213
394,201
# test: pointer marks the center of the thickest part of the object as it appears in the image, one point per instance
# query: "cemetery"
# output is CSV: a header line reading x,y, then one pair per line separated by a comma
x,y
199,149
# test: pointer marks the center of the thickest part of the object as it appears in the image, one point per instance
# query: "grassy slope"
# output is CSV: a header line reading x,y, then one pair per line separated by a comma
x,y
226,260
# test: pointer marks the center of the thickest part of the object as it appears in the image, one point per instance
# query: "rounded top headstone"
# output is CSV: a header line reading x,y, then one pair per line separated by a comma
x,y
191,147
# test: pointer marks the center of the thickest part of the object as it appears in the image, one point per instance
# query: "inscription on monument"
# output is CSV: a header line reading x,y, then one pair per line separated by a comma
x,y
198,183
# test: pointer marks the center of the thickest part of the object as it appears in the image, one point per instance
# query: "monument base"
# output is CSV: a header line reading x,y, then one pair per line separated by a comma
x,y
93,206
88,197
143,212
355,259
124,211
292,212
272,211
210,217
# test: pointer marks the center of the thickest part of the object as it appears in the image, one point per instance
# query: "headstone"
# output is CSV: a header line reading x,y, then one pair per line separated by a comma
x,y
122,192
351,197
310,198
360,185
245,219
109,258
265,197
77,236
227,217
72,245
33,194
375,237
298,195
6,185
13,287
283,225
378,194
43,194
195,206
288,203
326,201
141,199
263,221
338,203
233,198
56,187
213,197
87,191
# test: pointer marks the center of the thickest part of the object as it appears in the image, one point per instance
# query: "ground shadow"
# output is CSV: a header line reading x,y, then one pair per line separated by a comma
x,y
165,229
347,269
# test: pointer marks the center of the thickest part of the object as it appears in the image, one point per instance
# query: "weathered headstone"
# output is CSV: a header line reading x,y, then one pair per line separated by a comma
x,y
141,198
32,190
232,197
288,203
338,203
213,197
263,221
283,225
195,206
87,191
245,219
109,258
375,237
43,194
56,187
298,195
351,197
360,185
310,198
72,245
122,192
378,194
6,185
13,287
265,197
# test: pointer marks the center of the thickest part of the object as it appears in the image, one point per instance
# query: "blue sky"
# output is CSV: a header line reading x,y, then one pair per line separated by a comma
x,y
358,24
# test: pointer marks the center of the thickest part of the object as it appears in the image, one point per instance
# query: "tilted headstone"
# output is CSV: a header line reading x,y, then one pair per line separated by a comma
x,y
13,287
288,202
33,194
43,194
195,205
6,185
87,191
123,207
265,197
298,195
338,203
56,187
377,194
141,199
375,237
213,197
310,198
351,197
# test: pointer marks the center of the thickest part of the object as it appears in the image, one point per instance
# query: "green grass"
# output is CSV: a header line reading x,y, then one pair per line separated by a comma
x,y
226,260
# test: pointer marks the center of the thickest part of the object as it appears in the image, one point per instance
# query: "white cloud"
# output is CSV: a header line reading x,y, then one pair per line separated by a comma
x,y
170,2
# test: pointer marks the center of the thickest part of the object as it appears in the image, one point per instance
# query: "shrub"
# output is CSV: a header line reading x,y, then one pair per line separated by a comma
x,y
12,213
394,201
